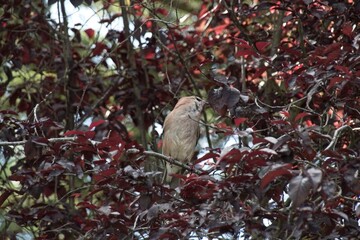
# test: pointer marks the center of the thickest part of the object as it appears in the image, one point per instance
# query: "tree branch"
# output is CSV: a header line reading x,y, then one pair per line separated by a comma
x,y
167,159
99,102
336,137
66,75
277,32
60,139
135,80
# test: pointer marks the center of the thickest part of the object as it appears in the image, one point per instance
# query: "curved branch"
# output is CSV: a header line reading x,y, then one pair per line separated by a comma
x,y
336,137
167,159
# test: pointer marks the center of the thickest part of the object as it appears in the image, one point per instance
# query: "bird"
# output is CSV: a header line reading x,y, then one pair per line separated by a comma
x,y
181,133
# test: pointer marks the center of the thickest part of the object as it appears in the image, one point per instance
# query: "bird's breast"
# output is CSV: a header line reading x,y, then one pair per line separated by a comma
x,y
180,139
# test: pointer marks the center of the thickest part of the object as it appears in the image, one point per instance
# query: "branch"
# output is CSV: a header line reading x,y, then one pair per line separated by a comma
x,y
231,9
135,80
336,136
66,75
351,199
99,102
277,32
167,159
60,139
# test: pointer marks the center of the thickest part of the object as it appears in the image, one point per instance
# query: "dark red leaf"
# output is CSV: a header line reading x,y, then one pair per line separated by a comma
x,y
87,205
90,32
243,44
25,55
299,189
219,29
30,151
73,132
234,155
240,178
76,3
8,112
280,171
104,174
261,151
148,24
206,157
301,115
170,215
347,29
76,195
256,162
285,113
203,11
150,56
99,162
261,46
5,196
197,190
162,11
96,123
259,72
51,2
315,175
334,81
245,53
331,153
343,69
99,48
239,121
86,134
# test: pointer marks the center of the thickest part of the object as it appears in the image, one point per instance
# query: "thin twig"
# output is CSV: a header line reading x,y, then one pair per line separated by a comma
x,y
99,102
60,139
350,199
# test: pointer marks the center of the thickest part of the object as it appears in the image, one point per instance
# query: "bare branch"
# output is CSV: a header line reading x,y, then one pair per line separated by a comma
x,y
135,81
167,159
60,139
336,137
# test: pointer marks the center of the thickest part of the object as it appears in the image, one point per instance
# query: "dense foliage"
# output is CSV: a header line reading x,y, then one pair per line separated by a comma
x,y
79,111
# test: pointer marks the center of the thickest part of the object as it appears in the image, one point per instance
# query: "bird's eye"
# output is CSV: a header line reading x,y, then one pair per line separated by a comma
x,y
198,99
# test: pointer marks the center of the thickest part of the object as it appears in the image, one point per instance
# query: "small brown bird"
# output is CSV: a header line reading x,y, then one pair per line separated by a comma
x,y
181,132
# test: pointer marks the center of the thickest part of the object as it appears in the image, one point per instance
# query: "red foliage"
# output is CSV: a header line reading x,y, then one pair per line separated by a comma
x,y
90,32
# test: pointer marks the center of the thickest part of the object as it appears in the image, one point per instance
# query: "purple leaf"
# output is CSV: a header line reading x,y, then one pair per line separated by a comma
x,y
299,188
